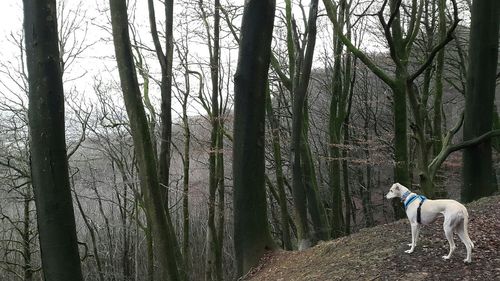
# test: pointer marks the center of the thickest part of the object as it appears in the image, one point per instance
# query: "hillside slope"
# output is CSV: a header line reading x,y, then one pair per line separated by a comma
x,y
378,253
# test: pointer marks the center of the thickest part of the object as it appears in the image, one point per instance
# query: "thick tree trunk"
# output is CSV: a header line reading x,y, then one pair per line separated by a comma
x,y
148,175
480,93
401,167
422,144
49,164
298,188
251,232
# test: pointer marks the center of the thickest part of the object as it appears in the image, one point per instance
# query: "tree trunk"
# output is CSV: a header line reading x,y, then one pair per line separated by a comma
x,y
26,236
150,276
95,251
220,217
480,93
400,47
438,96
347,92
367,188
317,211
185,182
298,188
401,168
49,164
166,60
335,177
251,232
148,175
422,144
299,93
214,244
282,200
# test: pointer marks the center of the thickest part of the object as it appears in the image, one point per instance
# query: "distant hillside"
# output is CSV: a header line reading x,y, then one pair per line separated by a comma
x,y
378,253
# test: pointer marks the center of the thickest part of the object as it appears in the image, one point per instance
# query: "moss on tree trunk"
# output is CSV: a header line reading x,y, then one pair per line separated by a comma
x,y
477,170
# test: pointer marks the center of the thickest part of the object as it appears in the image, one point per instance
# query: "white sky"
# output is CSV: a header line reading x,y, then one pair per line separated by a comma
x,y
98,60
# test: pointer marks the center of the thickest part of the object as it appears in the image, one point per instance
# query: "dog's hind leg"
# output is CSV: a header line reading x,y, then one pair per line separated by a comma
x,y
414,236
448,232
464,236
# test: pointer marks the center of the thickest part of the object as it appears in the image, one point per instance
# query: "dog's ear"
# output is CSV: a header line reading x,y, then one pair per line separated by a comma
x,y
397,186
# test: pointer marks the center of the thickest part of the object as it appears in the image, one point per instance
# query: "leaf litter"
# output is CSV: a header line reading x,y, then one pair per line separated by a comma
x,y
377,253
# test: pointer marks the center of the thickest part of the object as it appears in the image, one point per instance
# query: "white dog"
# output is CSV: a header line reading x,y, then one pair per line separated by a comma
x,y
421,210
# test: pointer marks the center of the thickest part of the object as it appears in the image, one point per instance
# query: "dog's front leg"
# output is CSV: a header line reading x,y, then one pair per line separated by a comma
x,y
414,234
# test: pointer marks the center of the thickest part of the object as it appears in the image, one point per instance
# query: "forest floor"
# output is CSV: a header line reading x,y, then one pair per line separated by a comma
x,y
378,253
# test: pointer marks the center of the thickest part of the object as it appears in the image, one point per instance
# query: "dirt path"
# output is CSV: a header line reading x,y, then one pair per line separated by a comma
x,y
378,253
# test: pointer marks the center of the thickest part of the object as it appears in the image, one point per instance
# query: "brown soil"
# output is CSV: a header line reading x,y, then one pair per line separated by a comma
x,y
378,253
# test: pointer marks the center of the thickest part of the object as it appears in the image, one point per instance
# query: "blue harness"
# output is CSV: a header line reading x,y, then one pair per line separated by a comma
x,y
413,198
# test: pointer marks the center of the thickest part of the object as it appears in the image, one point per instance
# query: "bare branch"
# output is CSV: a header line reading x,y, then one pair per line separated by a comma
x,y
437,48
331,10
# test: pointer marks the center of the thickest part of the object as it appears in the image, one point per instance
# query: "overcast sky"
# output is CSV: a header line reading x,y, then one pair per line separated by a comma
x,y
97,61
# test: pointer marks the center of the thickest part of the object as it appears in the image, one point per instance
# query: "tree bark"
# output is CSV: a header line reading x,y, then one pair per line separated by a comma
x,y
334,128
251,232
186,169
315,205
479,99
49,164
280,182
400,47
299,92
26,236
165,60
438,96
148,175
214,243
92,234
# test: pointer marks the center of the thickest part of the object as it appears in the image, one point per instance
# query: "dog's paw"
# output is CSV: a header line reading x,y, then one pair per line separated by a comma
x,y
409,251
467,260
446,258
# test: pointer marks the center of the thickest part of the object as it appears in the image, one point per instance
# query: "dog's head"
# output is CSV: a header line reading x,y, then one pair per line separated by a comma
x,y
396,191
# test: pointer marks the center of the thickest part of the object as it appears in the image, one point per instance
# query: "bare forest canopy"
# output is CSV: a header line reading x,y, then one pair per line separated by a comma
x,y
185,140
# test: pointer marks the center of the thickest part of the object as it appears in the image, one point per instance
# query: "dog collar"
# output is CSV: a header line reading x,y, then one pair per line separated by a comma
x,y
404,196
